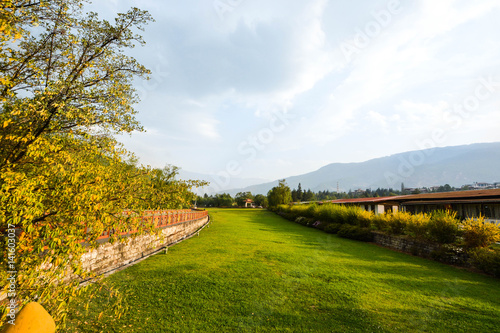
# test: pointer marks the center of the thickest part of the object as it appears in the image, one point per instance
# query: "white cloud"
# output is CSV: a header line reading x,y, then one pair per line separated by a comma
x,y
216,81
206,127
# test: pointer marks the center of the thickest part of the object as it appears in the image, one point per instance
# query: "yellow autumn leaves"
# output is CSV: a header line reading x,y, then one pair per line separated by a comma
x,y
65,90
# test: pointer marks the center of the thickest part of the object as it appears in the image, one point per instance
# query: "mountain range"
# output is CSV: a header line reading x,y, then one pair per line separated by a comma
x,y
456,166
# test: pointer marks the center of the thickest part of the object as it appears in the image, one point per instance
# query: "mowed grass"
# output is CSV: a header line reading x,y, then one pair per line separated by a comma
x,y
252,271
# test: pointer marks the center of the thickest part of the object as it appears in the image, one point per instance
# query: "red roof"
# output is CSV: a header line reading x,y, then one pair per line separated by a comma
x,y
472,194
483,195
367,200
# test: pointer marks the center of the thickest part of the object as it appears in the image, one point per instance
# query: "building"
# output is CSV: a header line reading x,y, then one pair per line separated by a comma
x,y
467,204
249,202
378,205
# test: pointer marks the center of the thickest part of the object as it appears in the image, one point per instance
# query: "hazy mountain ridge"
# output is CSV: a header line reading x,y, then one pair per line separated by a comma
x,y
218,183
457,165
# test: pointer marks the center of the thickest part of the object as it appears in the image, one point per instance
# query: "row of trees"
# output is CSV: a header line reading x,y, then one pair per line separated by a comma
x,y
303,195
282,194
65,91
226,200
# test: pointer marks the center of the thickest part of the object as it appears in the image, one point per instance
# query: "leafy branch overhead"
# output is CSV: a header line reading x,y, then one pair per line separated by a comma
x,y
66,87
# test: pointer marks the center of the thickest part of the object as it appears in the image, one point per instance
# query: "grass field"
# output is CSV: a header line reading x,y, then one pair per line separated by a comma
x,y
252,271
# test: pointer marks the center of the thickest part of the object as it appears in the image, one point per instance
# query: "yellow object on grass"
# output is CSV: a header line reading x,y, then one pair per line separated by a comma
x,y
32,318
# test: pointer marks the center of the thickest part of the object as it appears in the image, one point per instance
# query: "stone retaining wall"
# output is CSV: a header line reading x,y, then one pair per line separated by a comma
x,y
403,244
108,257
444,253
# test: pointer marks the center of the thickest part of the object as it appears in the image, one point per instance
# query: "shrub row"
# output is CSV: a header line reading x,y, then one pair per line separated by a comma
x,y
440,226
472,236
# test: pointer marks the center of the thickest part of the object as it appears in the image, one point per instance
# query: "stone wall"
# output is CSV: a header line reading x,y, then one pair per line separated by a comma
x,y
444,253
108,257
404,244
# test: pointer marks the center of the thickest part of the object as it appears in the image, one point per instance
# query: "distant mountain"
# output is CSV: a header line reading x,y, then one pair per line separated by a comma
x,y
219,183
456,166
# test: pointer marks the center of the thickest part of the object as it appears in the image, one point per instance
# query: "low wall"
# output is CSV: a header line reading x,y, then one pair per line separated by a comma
x,y
443,253
175,226
109,257
402,244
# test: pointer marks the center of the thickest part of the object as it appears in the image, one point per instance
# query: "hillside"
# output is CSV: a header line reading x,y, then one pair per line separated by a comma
x,y
456,166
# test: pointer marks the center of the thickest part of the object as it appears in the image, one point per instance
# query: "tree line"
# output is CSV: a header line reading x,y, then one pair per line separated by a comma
x,y
282,194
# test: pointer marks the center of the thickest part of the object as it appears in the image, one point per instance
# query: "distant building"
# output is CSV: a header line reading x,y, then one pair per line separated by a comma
x,y
467,204
249,202
482,186
377,205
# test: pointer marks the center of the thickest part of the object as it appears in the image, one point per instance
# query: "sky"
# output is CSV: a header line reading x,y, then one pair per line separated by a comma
x,y
271,89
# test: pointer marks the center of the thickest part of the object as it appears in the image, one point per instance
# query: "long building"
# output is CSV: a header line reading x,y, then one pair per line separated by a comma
x,y
465,203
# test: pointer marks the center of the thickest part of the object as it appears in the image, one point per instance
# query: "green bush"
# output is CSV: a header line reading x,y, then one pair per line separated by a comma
x,y
397,222
478,233
288,216
443,227
329,213
486,260
350,215
381,222
333,228
418,226
319,225
364,218
301,220
355,232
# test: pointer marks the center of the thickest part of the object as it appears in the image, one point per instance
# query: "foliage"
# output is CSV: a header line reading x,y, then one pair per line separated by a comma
x,y
65,89
331,213
333,228
355,232
280,194
417,225
439,227
308,222
486,260
443,227
478,233
218,200
380,222
398,222
261,201
164,191
297,194
241,197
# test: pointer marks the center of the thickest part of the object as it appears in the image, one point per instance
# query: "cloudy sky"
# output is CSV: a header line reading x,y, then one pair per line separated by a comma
x,y
270,89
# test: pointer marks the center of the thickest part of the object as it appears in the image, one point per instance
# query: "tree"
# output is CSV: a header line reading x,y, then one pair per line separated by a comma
x,y
224,200
261,200
308,195
65,89
164,191
280,194
241,197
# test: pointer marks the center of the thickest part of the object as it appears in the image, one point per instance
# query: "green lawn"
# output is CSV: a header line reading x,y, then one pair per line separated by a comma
x,y
252,271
